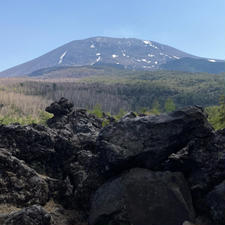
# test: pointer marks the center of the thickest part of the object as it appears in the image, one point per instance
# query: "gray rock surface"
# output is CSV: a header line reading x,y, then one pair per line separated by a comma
x,y
148,141
143,197
81,125
34,215
215,201
67,161
19,184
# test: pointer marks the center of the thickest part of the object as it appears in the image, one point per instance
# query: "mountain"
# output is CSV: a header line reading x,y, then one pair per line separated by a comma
x,y
195,65
127,53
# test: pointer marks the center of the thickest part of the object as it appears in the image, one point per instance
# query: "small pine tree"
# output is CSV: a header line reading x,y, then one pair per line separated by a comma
x,y
222,110
97,111
143,110
121,113
155,107
169,105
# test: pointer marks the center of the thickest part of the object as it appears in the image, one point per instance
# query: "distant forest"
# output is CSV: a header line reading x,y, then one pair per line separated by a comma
x,y
132,92
137,91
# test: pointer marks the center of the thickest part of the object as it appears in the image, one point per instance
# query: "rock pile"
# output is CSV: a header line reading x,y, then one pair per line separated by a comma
x,y
142,170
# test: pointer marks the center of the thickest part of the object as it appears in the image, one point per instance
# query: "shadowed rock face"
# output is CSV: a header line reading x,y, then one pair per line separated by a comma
x,y
142,197
82,126
67,162
33,215
60,108
215,200
71,158
148,141
19,184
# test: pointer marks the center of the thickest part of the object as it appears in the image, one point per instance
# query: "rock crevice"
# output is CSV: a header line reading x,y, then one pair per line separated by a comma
x,y
140,170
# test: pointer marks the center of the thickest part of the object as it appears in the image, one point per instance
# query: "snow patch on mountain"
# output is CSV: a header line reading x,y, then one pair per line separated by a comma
x,y
115,56
148,43
123,53
212,60
61,57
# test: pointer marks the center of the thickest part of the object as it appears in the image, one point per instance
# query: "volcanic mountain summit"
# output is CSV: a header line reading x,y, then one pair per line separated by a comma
x,y
128,53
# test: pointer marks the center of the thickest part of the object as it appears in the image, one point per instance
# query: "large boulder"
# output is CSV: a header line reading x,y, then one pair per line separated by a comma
x,y
142,197
149,140
215,202
34,215
19,184
208,155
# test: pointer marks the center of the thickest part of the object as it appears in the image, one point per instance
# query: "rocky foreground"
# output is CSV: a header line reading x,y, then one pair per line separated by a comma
x,y
142,170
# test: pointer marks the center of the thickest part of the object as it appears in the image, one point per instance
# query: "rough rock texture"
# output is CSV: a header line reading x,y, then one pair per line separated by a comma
x,y
19,184
60,108
67,161
40,147
85,177
142,197
215,201
84,127
209,158
65,153
33,215
147,141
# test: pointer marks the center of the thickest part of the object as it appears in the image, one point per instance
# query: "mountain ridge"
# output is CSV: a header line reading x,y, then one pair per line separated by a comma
x,y
131,53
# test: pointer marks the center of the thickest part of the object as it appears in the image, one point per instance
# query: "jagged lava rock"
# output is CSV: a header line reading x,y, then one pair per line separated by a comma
x,y
33,215
208,155
215,201
142,197
149,140
62,107
42,148
84,126
65,152
85,177
19,184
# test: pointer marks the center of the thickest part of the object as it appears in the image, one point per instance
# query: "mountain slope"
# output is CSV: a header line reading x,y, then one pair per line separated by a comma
x,y
128,52
195,65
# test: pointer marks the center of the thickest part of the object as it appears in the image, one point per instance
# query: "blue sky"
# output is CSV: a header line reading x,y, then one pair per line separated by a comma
x,y
30,28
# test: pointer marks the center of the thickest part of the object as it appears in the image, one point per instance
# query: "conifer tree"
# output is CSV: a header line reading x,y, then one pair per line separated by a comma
x,y
169,105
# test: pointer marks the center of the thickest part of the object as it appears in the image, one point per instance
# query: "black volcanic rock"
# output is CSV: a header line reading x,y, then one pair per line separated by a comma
x,y
85,177
67,161
142,197
60,108
42,148
147,141
34,215
215,201
79,124
209,157
19,184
